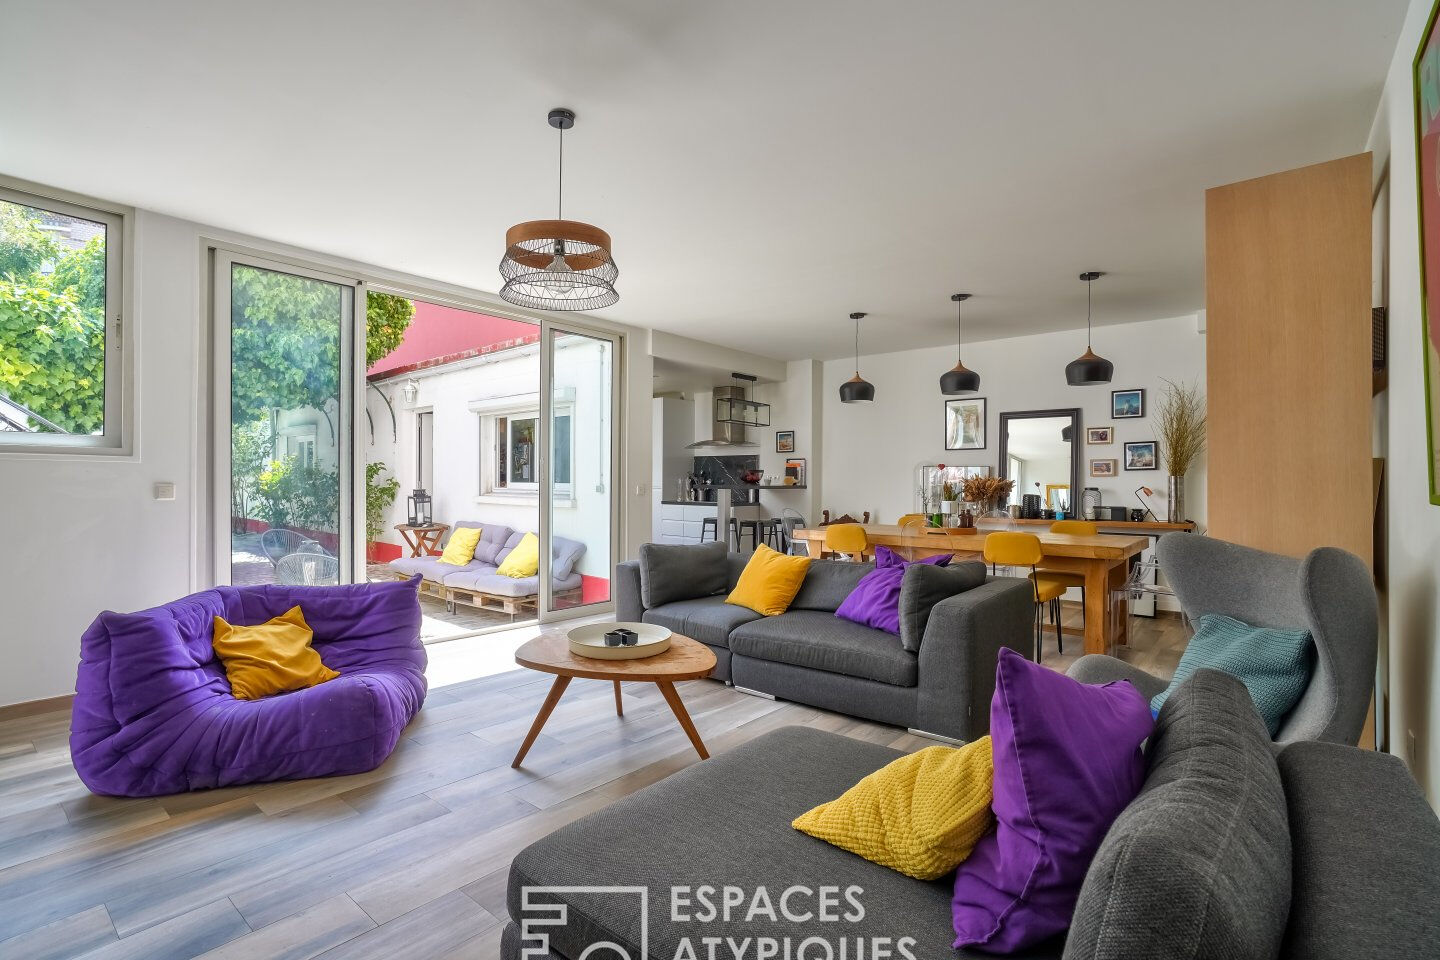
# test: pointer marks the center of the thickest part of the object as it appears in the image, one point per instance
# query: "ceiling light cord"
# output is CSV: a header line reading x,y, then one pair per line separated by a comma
x,y
1088,285
560,190
857,346
959,329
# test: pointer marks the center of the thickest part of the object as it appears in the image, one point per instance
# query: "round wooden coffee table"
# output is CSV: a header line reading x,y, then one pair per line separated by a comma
x,y
550,653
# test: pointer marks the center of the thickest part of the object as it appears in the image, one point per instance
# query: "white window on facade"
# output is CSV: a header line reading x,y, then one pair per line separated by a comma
x,y
508,452
61,374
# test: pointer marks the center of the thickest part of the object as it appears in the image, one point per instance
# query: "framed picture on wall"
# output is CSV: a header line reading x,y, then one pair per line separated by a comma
x,y
1427,166
1099,435
1141,455
1127,404
1104,468
784,441
965,424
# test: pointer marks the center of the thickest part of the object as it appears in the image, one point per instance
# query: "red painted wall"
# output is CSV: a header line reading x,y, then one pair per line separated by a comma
x,y
443,334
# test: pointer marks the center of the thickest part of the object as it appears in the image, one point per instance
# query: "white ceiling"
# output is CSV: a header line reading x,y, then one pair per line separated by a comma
x,y
764,167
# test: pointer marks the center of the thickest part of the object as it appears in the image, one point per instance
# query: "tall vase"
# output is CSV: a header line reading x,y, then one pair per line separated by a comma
x,y
1175,499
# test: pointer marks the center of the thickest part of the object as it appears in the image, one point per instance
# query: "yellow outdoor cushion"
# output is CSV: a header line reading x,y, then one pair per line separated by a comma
x,y
921,814
524,560
461,548
769,582
271,657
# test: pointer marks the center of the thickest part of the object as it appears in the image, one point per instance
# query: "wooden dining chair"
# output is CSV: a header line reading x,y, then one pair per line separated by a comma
x,y
1074,528
1010,549
848,539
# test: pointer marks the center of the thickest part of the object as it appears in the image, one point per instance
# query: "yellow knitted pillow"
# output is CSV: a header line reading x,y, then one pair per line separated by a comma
x,y
921,814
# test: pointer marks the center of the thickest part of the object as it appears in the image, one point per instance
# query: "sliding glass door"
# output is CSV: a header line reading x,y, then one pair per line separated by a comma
x,y
284,349
580,492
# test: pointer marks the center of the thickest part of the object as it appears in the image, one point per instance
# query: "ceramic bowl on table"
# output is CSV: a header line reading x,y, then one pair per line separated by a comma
x,y
589,641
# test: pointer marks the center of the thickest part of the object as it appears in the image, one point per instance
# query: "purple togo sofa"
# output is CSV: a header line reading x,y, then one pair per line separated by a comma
x,y
153,712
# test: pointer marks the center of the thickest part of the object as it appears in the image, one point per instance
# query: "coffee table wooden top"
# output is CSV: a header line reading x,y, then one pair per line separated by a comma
x,y
550,653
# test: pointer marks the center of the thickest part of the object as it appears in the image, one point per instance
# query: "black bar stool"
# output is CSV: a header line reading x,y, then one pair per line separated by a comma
x,y
710,524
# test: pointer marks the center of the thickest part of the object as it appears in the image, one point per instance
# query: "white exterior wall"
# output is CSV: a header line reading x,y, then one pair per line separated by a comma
x,y
461,396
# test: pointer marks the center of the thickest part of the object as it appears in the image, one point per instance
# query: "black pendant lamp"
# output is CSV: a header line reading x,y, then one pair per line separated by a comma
x,y
959,379
558,264
1090,368
857,390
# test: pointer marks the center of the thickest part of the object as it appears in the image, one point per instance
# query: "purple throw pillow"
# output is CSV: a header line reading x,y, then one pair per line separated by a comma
x,y
875,601
1067,762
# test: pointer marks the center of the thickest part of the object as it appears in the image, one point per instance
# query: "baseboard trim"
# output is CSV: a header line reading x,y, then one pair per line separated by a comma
x,y
31,708
754,693
935,736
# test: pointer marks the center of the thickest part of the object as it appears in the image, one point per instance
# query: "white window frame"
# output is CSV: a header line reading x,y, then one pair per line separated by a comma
x,y
115,438
522,407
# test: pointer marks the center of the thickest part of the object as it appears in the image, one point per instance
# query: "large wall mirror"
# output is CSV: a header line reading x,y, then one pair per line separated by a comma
x,y
1039,450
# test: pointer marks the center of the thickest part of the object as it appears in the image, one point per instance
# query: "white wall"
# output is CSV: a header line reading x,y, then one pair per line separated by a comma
x,y
871,451
84,535
459,395
1412,560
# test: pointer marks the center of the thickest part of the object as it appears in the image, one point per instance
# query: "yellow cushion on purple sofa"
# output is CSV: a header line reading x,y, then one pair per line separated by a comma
x,y
271,657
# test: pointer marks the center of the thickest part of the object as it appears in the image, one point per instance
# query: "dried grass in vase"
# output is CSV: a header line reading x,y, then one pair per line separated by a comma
x,y
979,489
1182,426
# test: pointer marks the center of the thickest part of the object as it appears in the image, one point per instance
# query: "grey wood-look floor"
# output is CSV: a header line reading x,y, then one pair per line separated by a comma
x,y
407,861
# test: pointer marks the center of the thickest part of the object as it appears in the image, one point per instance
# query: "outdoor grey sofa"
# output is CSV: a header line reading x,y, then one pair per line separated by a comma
x,y
936,677
477,583
1232,849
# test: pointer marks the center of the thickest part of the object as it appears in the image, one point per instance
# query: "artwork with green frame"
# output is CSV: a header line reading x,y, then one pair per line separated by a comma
x,y
1426,78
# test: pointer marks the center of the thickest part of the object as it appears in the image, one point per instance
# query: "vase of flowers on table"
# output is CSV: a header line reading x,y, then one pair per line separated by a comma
x,y
985,494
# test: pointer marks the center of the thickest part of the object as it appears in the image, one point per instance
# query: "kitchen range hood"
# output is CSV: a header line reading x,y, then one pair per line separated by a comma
x,y
732,414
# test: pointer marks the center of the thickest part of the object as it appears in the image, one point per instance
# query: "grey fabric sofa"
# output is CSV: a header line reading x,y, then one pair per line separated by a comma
x,y
937,677
1329,592
479,585
1231,850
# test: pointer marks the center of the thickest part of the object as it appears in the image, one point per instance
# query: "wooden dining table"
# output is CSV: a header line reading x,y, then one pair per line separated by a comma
x,y
1104,561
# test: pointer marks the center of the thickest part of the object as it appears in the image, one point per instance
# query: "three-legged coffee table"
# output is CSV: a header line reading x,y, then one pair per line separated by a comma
x,y
550,653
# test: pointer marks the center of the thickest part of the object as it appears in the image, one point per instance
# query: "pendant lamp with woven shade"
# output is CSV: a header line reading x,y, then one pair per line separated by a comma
x,y
558,264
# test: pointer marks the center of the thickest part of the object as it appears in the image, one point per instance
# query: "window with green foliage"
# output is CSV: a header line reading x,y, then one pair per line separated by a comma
x,y
59,323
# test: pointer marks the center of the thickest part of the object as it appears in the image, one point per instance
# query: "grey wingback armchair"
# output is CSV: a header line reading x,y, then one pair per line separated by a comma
x,y
1329,592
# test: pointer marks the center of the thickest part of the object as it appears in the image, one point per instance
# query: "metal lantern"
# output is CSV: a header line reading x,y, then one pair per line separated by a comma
x,y
558,264
418,504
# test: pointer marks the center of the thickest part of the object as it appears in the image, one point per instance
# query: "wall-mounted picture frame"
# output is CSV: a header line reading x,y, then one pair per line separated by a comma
x,y
1099,435
1104,468
784,441
1141,455
1127,404
965,424
1427,166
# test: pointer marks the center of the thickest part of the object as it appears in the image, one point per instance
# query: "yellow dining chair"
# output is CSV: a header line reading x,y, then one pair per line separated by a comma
x,y
848,539
912,520
1074,528
1023,550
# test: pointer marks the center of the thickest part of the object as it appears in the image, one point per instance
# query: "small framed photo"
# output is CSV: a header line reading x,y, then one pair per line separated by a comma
x,y
784,441
1099,435
795,472
1104,468
1141,455
965,424
1127,404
